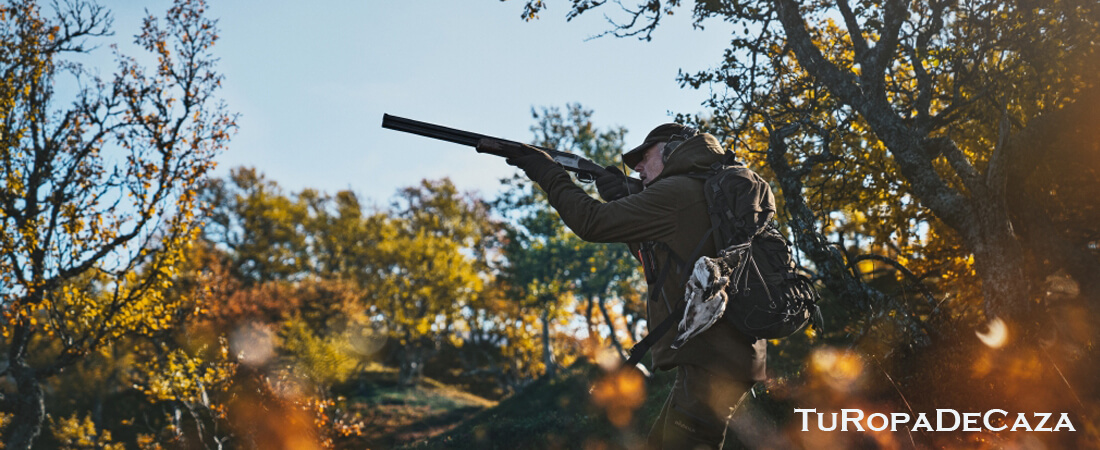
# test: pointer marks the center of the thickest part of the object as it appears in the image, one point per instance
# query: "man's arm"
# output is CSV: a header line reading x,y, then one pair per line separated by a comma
x,y
646,216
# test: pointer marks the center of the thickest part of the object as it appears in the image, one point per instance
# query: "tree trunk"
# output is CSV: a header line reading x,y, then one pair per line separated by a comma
x,y
828,260
411,366
832,265
588,321
30,407
547,350
977,213
611,326
998,260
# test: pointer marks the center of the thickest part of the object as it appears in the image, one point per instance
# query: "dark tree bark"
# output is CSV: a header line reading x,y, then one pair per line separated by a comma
x,y
29,406
547,348
979,214
831,263
610,325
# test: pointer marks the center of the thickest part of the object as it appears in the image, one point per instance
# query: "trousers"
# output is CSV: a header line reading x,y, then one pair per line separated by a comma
x,y
697,411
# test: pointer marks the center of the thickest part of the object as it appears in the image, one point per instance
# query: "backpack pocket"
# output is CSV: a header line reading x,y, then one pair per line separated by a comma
x,y
775,301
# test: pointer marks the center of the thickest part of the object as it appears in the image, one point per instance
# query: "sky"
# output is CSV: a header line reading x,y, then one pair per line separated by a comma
x,y
311,82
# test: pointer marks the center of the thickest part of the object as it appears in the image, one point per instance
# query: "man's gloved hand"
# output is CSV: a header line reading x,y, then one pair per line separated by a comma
x,y
614,184
531,160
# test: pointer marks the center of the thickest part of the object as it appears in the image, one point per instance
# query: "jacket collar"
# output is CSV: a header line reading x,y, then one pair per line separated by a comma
x,y
697,154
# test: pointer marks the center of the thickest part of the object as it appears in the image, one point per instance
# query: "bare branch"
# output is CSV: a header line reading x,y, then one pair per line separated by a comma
x,y
650,11
810,57
924,87
996,176
916,280
855,32
882,53
966,171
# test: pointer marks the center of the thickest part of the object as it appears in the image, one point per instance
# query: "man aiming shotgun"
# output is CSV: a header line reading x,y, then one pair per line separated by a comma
x,y
667,224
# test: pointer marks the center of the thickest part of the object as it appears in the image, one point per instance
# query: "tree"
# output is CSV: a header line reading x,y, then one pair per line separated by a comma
x,y
260,227
601,272
953,142
98,197
292,281
546,263
430,275
954,92
418,267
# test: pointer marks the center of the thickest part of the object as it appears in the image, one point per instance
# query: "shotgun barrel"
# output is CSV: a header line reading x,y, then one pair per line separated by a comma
x,y
585,169
432,130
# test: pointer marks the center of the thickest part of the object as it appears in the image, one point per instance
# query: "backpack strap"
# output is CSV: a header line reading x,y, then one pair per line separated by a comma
x,y
642,347
713,212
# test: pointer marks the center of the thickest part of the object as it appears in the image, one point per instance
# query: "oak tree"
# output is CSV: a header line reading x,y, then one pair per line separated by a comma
x,y
951,96
97,191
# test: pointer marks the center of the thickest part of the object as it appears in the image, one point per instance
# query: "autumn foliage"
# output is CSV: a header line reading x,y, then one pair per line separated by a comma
x,y
937,169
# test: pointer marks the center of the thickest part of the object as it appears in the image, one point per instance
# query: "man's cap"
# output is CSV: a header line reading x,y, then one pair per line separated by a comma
x,y
663,133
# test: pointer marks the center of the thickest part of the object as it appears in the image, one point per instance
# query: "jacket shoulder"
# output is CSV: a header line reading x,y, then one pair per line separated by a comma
x,y
680,183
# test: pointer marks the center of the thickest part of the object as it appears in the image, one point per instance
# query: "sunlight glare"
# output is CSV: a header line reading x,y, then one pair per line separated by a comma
x,y
253,344
997,334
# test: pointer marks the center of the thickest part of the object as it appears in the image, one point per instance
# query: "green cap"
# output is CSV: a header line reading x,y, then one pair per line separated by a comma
x,y
663,133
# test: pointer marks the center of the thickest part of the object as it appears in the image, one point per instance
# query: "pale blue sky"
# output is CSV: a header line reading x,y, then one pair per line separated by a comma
x,y
312,80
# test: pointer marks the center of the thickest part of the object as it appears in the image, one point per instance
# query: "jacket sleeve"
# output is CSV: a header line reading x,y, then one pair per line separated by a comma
x,y
648,216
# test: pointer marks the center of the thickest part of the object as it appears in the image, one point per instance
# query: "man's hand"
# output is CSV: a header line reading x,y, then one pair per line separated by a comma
x,y
614,184
530,159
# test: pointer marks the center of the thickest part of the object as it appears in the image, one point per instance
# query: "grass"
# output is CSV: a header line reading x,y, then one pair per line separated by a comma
x,y
394,415
553,413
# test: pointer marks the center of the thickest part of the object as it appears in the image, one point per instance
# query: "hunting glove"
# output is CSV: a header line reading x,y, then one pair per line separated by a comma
x,y
533,161
614,184
534,164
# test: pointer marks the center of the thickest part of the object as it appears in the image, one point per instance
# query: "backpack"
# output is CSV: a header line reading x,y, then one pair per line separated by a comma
x,y
752,283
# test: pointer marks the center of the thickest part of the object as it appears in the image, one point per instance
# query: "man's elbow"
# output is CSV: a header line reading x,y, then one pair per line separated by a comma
x,y
593,230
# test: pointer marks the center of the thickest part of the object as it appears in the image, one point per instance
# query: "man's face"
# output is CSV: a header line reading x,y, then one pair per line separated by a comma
x,y
651,165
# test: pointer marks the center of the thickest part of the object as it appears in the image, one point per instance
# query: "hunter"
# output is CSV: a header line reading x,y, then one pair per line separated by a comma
x,y
666,225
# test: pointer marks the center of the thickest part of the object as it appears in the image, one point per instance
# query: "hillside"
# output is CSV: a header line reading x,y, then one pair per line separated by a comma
x,y
395,415
555,413
561,414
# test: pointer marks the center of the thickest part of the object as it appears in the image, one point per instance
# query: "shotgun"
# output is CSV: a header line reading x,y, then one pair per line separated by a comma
x,y
585,169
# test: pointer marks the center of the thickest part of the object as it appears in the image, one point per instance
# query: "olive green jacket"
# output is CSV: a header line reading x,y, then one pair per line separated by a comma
x,y
670,214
